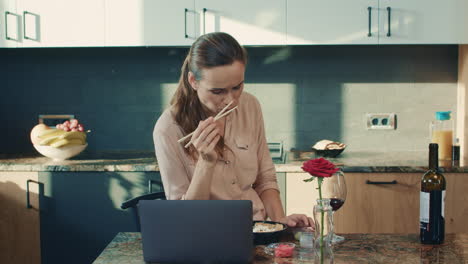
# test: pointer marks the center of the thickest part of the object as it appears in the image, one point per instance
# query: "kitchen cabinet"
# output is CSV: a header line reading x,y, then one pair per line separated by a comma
x,y
150,23
19,225
80,211
373,207
261,22
56,23
281,178
423,22
332,22
10,24
376,22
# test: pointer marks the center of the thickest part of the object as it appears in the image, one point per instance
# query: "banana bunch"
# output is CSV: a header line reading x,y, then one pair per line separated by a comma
x,y
58,138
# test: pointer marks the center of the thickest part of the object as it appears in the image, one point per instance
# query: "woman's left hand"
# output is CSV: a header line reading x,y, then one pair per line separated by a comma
x,y
298,220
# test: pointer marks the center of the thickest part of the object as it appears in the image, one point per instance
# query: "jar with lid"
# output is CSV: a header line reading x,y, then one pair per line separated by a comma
x,y
442,134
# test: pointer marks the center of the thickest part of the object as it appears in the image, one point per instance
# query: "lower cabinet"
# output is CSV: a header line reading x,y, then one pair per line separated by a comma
x,y
381,202
19,225
80,211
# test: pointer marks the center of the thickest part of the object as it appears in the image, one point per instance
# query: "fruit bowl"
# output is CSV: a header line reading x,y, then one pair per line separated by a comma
x,y
60,154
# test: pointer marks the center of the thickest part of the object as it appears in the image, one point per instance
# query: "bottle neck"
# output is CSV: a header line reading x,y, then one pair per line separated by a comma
x,y
433,157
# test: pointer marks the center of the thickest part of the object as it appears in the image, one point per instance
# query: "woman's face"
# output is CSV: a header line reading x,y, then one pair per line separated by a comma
x,y
219,86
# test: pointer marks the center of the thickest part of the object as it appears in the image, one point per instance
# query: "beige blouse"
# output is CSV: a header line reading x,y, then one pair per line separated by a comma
x,y
243,174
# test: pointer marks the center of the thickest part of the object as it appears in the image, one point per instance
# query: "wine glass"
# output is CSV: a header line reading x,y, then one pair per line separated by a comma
x,y
335,189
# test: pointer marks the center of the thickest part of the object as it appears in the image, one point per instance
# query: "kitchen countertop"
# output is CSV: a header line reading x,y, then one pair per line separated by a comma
x,y
357,248
138,161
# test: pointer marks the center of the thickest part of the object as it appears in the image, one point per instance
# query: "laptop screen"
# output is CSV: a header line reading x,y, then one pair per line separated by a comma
x,y
196,231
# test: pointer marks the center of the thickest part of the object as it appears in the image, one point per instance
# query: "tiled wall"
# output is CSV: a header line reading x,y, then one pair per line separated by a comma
x,y
307,92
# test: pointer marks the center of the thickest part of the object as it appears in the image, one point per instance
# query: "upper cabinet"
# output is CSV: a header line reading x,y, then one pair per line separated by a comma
x,y
376,22
51,23
71,23
332,22
150,23
259,22
61,23
423,22
10,24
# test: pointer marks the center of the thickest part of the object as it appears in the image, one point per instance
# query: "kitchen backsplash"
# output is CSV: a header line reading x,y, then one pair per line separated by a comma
x,y
307,93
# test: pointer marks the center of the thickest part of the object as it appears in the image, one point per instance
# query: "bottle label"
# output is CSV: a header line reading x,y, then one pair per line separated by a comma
x,y
424,199
425,207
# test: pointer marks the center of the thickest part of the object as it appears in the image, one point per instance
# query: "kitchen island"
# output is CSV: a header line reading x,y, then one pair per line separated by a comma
x,y
357,248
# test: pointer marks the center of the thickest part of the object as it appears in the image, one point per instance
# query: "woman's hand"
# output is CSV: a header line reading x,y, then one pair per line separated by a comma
x,y
205,138
298,220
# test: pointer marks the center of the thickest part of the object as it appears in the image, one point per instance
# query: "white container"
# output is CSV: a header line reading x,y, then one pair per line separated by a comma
x,y
60,154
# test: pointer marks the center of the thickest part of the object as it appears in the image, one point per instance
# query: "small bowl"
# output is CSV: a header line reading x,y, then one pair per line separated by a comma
x,y
270,249
59,154
330,153
264,238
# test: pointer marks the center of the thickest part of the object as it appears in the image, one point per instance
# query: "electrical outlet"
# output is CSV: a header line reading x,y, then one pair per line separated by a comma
x,y
381,121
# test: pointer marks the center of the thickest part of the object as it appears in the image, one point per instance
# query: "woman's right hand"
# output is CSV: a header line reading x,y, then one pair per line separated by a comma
x,y
205,138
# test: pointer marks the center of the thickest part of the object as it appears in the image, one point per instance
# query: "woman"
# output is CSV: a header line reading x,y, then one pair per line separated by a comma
x,y
227,159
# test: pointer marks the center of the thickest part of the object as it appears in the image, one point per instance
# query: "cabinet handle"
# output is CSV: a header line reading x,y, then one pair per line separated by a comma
x,y
185,22
150,185
369,9
389,10
381,182
28,204
24,24
204,20
6,26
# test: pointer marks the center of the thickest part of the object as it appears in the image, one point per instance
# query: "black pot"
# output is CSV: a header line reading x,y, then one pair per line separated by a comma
x,y
265,238
328,153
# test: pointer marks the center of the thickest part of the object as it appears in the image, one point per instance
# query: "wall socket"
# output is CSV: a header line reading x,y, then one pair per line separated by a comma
x,y
381,121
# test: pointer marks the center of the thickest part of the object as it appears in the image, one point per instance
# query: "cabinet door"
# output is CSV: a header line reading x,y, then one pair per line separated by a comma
x,y
80,212
423,22
300,196
260,22
19,225
150,22
456,199
10,24
375,205
59,23
369,208
332,22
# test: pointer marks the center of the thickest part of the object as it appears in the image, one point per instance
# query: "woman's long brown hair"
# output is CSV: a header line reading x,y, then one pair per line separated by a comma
x,y
208,51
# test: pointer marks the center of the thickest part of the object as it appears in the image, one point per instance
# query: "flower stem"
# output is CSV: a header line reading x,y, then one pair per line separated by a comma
x,y
321,222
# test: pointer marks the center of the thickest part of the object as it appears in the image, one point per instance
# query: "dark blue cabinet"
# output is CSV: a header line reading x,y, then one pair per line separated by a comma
x,y
80,211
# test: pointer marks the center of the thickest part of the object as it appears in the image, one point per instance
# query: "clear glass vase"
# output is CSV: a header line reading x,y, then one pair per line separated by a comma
x,y
323,217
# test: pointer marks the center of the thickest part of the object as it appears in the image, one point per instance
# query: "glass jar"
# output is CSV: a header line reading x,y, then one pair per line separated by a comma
x,y
323,218
442,134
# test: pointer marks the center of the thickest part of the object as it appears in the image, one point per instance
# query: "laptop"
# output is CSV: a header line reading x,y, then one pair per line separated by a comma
x,y
196,231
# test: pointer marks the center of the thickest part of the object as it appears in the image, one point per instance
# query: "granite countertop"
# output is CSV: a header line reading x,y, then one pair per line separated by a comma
x,y
357,248
141,161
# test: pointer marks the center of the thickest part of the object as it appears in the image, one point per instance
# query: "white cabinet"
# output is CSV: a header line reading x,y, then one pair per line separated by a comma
x,y
62,23
259,22
377,22
150,23
10,24
332,22
423,22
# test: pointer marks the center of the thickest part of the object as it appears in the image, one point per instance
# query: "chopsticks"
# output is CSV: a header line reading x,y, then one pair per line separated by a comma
x,y
220,115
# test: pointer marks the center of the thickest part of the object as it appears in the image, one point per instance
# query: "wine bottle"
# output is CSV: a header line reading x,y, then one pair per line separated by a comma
x,y
431,201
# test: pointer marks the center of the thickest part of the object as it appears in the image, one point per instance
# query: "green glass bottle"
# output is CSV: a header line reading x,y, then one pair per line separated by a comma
x,y
431,201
